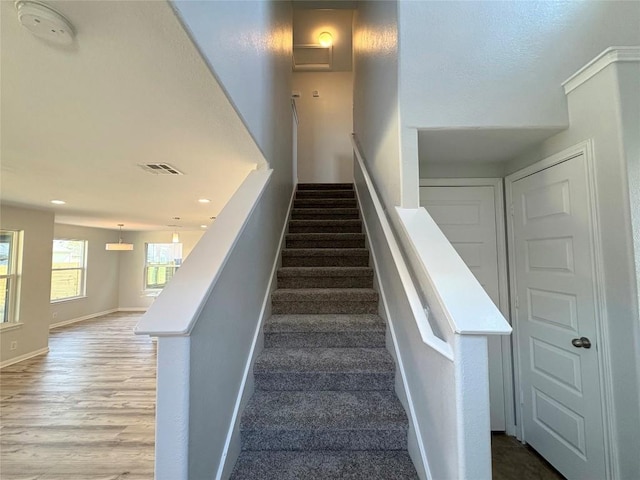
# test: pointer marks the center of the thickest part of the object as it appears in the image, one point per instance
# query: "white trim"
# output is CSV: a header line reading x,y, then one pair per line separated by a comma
x,y
24,357
606,58
80,319
602,341
503,279
405,384
133,309
8,326
252,352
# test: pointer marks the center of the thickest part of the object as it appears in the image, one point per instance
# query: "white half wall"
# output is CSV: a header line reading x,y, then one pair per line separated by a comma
x,y
35,283
102,274
325,154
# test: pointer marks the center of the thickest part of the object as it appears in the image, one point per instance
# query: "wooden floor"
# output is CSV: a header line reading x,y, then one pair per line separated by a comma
x,y
86,410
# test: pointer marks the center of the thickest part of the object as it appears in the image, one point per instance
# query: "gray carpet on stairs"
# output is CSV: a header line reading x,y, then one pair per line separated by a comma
x,y
324,405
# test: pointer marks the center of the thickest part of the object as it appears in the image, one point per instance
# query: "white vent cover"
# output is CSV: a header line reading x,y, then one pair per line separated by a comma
x,y
160,169
312,58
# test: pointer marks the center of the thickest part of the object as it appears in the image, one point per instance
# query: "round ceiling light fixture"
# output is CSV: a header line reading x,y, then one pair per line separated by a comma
x,y
325,39
44,22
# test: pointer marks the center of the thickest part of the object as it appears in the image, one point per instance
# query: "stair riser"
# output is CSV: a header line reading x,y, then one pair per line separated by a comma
x,y
324,381
325,186
320,307
329,243
317,261
325,203
327,214
331,439
321,339
300,194
325,228
325,282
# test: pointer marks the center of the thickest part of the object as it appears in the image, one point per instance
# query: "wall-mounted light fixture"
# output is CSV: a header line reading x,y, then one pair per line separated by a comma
x,y
119,246
325,39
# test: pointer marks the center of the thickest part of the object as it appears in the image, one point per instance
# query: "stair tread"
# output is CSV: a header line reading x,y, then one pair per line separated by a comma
x,y
324,410
324,465
324,323
325,271
325,186
325,236
338,221
325,252
325,360
324,210
324,294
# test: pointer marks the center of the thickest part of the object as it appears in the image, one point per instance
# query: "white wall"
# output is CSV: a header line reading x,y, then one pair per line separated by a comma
x,y
324,131
102,275
595,108
376,120
35,281
131,291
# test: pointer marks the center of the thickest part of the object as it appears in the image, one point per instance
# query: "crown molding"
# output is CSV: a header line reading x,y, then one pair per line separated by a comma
x,y
606,58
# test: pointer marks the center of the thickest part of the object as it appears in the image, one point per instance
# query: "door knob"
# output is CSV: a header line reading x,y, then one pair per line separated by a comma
x,y
582,342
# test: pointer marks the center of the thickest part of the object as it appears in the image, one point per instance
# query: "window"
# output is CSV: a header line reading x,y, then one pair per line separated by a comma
x,y
8,274
68,269
162,262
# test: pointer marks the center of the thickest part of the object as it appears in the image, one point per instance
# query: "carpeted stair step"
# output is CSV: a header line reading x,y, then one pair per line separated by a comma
x,y
324,240
325,226
324,369
325,186
325,277
324,300
325,257
325,203
324,214
324,420
295,331
325,194
324,465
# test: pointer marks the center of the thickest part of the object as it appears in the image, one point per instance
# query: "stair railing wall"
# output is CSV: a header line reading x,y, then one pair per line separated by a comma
x,y
206,321
445,378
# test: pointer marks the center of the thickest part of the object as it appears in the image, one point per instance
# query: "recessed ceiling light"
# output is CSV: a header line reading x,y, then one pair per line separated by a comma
x,y
204,200
58,202
203,226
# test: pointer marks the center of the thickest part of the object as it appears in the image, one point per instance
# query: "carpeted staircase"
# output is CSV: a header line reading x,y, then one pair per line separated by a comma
x,y
324,405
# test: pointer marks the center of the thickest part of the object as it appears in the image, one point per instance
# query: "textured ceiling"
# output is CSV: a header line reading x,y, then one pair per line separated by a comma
x,y
132,89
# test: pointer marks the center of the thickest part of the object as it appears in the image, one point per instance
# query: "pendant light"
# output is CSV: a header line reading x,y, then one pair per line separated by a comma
x,y
175,237
119,246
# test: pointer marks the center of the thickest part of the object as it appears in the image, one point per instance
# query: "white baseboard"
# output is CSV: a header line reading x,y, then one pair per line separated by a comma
x,y
222,471
26,356
133,309
80,319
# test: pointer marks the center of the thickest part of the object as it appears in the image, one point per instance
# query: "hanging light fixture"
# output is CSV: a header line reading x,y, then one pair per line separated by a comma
x,y
175,238
119,246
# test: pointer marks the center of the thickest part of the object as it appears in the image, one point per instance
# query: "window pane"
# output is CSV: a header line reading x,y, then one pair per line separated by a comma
x,y
4,299
164,253
68,253
158,277
6,243
66,284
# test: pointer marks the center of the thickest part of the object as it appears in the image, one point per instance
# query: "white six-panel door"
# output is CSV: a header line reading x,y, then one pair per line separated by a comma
x,y
467,217
555,317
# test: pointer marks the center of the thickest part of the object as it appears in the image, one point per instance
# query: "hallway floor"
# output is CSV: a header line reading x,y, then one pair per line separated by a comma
x,y
85,411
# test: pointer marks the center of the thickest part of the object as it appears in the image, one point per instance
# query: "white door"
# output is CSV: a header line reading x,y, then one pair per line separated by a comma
x,y
555,315
467,217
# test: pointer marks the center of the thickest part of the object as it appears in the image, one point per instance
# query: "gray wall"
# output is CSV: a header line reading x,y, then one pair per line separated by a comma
x,y
596,112
102,274
35,281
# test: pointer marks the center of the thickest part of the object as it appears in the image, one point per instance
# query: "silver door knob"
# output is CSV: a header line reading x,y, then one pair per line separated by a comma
x,y
582,342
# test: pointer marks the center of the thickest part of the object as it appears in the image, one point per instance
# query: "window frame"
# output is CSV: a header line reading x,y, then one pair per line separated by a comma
x,y
13,278
147,265
83,271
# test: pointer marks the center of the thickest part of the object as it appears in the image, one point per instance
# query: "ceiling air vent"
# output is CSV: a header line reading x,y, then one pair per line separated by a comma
x,y
160,169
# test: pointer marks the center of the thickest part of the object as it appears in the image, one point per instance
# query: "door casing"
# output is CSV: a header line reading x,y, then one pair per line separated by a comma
x,y
604,365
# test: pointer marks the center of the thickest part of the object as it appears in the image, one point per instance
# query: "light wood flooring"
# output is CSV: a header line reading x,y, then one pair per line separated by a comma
x,y
86,410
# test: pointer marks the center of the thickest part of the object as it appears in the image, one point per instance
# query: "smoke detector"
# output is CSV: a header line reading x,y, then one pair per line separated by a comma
x,y
44,22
